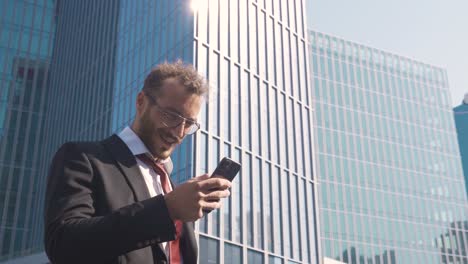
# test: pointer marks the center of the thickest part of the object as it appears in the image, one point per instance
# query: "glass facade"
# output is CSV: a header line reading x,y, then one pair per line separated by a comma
x,y
26,37
461,122
388,164
81,82
254,53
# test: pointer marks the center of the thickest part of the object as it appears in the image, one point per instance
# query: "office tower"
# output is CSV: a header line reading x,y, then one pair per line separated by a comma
x,y
461,123
259,112
255,55
388,170
26,39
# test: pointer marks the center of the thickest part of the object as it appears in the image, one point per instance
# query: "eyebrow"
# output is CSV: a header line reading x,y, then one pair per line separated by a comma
x,y
174,111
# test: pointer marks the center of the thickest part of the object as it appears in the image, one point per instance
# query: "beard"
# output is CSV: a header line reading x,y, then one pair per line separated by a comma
x,y
150,133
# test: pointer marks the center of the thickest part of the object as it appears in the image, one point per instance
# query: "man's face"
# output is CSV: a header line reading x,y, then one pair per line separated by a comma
x,y
172,97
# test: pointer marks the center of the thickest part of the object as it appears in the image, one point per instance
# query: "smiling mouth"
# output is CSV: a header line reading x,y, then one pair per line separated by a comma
x,y
166,141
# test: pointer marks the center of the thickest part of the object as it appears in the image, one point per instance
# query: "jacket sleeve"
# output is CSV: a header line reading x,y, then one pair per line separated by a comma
x,y
73,234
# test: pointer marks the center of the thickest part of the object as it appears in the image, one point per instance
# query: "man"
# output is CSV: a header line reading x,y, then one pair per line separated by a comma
x,y
111,201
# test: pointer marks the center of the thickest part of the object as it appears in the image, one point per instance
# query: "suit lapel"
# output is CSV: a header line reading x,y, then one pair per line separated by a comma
x,y
128,165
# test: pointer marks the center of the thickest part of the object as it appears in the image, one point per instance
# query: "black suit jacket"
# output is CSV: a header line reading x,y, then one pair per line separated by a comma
x,y
98,209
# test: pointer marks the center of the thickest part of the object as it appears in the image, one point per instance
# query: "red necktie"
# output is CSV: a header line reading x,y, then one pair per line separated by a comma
x,y
174,250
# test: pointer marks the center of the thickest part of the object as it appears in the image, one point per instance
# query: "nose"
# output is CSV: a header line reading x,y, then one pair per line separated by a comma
x,y
178,131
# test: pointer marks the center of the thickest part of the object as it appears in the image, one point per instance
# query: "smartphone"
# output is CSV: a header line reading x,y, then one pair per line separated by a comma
x,y
227,168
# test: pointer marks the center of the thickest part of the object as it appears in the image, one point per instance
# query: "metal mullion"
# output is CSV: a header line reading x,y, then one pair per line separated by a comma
x,y
313,217
96,107
274,184
232,201
18,123
101,127
209,217
267,225
110,60
41,118
76,92
6,82
41,165
283,204
290,181
42,115
93,59
28,127
242,91
147,35
2,14
301,223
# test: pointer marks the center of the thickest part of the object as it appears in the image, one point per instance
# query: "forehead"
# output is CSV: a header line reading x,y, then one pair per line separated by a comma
x,y
173,96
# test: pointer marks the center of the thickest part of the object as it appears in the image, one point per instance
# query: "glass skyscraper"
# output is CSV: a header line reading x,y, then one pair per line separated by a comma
x,y
260,113
26,38
390,179
461,122
254,53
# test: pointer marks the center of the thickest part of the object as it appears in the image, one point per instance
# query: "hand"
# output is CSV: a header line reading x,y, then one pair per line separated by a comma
x,y
187,201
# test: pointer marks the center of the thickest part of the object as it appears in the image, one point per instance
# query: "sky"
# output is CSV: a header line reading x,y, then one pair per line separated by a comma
x,y
431,31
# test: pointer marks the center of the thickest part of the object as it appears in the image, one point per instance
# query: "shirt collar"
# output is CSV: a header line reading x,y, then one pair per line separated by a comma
x,y
136,146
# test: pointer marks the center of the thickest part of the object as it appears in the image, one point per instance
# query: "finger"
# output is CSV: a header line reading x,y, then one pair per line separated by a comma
x,y
216,195
210,205
215,183
201,177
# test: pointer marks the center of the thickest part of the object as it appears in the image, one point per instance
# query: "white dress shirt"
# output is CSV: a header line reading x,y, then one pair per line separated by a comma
x,y
152,179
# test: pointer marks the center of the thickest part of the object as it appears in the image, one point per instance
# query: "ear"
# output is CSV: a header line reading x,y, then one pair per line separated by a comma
x,y
140,102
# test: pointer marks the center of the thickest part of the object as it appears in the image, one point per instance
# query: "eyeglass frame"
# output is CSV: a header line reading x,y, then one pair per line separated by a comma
x,y
170,113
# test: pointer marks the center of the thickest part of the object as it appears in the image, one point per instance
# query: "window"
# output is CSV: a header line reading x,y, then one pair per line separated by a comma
x,y
232,254
254,257
275,260
209,249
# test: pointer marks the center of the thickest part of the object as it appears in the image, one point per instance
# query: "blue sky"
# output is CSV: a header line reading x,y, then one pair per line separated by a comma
x,y
432,31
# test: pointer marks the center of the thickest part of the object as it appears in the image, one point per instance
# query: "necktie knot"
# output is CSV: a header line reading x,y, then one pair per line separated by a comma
x,y
159,169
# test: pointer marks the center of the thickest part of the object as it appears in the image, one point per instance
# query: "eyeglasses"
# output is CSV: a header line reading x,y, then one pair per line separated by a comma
x,y
172,120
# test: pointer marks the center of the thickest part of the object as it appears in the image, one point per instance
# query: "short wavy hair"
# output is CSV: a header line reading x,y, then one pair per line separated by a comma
x,y
187,75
